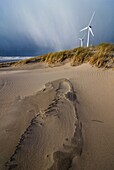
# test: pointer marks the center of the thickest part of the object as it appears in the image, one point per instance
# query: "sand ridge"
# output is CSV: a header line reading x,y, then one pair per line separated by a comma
x,y
48,151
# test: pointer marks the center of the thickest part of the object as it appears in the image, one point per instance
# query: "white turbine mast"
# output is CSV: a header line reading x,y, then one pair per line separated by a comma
x,y
89,29
82,41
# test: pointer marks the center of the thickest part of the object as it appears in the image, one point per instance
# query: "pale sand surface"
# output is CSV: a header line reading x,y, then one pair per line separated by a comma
x,y
63,125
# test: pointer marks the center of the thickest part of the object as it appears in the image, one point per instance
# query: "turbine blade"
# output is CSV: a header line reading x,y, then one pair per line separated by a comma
x,y
84,29
91,19
91,31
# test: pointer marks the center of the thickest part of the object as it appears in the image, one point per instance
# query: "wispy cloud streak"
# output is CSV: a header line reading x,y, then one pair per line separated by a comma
x,y
52,24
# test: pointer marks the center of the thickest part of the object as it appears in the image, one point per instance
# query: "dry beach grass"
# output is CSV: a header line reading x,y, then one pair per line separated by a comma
x,y
100,56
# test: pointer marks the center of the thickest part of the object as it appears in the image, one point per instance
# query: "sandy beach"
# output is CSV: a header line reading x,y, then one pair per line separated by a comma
x,y
59,118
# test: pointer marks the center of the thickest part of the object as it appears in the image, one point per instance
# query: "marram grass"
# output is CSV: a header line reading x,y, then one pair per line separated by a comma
x,y
101,55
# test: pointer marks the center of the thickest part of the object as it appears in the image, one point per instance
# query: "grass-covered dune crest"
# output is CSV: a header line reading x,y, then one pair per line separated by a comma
x,y
101,55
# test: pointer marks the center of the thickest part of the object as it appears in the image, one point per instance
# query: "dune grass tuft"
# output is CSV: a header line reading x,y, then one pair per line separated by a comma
x,y
80,56
56,57
104,53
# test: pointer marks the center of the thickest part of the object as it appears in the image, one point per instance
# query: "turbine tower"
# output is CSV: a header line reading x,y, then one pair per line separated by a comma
x,y
82,41
89,29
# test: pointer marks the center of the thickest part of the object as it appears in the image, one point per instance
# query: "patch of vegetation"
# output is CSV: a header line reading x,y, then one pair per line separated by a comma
x,y
6,64
80,56
56,57
27,61
106,46
101,55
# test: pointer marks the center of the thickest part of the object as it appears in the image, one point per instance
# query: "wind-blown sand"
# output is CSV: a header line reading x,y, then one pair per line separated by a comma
x,y
57,118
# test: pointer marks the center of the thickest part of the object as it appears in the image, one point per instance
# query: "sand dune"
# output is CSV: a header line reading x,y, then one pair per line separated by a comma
x,y
57,118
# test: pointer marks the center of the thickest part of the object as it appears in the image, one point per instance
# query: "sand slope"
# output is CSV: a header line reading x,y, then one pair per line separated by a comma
x,y
66,125
96,108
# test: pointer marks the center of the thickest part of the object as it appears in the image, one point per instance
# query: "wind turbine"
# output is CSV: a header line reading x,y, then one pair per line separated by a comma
x,y
82,41
89,29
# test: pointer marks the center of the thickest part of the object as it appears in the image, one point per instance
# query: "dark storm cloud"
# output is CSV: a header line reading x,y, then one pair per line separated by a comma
x,y
38,26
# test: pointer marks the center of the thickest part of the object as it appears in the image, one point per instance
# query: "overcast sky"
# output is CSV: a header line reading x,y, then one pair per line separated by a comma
x,y
32,27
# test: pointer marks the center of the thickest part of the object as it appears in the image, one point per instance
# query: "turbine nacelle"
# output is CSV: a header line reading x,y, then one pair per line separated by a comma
x,y
81,39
